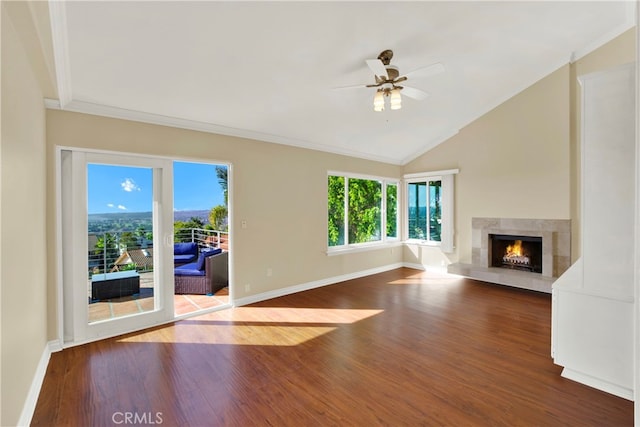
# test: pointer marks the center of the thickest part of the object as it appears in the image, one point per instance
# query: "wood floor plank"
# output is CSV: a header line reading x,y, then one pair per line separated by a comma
x,y
402,347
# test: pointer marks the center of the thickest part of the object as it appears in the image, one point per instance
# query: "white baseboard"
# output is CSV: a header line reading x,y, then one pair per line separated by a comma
x,y
414,266
312,285
38,378
615,389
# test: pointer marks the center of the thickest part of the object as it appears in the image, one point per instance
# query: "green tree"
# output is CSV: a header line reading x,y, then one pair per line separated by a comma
x,y
106,251
364,210
143,234
222,174
335,201
218,218
182,229
365,202
392,210
106,241
435,210
128,240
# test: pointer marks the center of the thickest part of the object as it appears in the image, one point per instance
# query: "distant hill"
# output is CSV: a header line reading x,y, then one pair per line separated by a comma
x,y
132,216
187,215
121,221
119,216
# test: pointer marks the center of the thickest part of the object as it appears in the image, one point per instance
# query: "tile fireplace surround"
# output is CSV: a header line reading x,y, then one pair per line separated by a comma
x,y
556,252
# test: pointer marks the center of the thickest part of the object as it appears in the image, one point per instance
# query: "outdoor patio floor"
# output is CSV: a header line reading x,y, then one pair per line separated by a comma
x,y
183,304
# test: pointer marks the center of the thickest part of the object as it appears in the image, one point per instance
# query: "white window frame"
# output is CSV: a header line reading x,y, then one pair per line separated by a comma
x,y
447,232
384,240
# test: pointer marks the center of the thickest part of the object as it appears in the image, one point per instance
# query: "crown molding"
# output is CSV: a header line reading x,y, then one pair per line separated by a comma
x,y
60,41
175,122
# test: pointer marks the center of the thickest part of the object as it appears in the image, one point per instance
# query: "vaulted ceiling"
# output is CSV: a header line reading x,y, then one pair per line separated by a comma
x,y
268,70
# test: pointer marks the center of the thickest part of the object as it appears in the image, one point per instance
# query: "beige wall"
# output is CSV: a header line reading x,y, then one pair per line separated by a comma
x,y
520,160
23,252
513,163
279,191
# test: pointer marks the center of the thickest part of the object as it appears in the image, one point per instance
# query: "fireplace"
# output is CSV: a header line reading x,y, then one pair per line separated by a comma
x,y
542,252
516,252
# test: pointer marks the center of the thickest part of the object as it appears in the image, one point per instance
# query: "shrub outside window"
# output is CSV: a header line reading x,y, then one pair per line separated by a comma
x,y
361,210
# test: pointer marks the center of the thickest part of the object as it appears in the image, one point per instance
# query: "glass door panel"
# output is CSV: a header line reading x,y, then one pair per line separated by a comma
x,y
201,222
117,243
120,241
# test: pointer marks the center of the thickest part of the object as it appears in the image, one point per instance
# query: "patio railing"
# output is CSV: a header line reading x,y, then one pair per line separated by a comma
x,y
125,250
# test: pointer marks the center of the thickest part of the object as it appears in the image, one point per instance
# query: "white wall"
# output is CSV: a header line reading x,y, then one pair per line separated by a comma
x,y
593,302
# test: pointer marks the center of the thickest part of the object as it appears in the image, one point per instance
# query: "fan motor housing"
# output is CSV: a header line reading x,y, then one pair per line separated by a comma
x,y
392,71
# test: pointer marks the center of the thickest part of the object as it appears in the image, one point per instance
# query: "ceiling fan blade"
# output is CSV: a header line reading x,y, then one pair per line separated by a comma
x,y
349,87
414,93
427,71
377,67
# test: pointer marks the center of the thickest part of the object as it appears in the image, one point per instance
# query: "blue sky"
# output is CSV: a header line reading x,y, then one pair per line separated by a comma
x,y
129,189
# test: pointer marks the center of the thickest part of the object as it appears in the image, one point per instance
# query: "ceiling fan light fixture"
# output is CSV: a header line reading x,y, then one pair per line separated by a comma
x,y
396,99
378,101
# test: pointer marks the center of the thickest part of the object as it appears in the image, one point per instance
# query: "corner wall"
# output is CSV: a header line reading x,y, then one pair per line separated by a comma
x,y
522,159
513,163
23,252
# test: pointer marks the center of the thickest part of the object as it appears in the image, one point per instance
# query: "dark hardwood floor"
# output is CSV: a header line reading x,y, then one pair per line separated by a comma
x,y
399,348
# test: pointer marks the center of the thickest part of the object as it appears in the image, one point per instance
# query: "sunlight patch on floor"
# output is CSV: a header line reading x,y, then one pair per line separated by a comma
x,y
297,315
268,326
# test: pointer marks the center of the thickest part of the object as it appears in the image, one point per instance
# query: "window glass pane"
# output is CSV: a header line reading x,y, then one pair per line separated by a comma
x,y
365,210
392,210
335,200
435,210
417,198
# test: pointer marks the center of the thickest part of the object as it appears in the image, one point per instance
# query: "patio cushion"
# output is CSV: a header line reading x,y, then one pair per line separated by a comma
x,y
181,259
205,253
185,252
188,270
188,248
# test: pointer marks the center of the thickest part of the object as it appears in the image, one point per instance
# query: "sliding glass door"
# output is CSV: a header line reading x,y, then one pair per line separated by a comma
x,y
117,243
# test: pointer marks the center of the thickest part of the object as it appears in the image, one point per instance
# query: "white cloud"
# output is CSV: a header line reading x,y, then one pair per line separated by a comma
x,y
122,207
129,185
110,205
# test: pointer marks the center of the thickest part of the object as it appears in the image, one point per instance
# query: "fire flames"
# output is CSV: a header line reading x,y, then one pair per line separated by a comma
x,y
515,255
515,249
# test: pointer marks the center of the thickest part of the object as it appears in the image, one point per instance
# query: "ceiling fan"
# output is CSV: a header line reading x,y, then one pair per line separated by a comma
x,y
387,79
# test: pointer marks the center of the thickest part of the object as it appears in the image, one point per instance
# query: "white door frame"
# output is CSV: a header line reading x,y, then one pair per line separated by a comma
x,y
72,232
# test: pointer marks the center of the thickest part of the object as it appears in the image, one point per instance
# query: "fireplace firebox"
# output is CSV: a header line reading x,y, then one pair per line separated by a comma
x,y
516,252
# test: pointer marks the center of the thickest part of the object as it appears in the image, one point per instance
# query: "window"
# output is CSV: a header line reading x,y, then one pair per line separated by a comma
x,y
425,210
429,214
361,210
